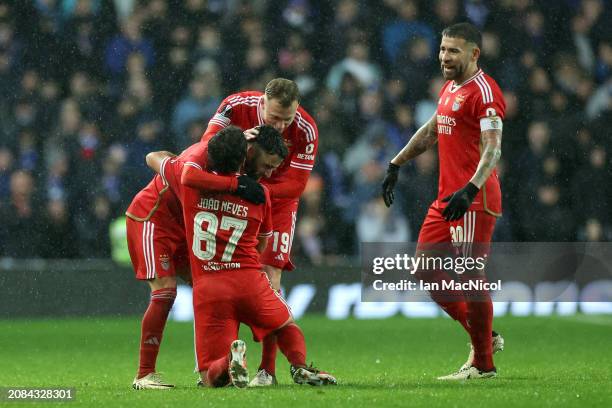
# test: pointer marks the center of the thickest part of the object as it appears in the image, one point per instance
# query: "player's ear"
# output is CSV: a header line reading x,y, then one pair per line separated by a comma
x,y
475,53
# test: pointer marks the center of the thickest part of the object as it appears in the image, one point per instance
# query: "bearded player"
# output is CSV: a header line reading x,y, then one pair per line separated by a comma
x,y
226,235
278,106
468,129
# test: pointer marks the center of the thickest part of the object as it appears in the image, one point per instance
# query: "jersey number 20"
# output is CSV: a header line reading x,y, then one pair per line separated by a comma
x,y
209,235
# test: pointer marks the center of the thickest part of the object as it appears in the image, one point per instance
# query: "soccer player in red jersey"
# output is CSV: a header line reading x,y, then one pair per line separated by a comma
x,y
226,235
468,129
156,242
278,106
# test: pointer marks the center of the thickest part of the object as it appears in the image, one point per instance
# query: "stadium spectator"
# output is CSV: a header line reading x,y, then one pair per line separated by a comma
x,y
199,103
84,81
20,230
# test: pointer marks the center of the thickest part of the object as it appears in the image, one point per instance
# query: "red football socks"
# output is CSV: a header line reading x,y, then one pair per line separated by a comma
x,y
153,323
268,354
451,301
480,320
218,372
458,311
291,343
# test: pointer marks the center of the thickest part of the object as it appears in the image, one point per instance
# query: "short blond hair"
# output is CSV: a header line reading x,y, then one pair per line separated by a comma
x,y
285,91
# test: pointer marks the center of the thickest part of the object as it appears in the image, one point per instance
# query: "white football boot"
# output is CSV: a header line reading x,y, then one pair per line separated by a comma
x,y
470,373
151,381
263,379
498,345
239,375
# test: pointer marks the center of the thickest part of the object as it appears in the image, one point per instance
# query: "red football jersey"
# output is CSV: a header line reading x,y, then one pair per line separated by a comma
x,y
288,181
460,109
161,204
155,202
222,229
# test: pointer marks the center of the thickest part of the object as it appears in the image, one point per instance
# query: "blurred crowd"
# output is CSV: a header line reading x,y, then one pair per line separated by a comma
x,y
90,86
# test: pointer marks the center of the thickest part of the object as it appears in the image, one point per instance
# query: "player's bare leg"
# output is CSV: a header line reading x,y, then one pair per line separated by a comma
x,y
274,274
266,374
163,293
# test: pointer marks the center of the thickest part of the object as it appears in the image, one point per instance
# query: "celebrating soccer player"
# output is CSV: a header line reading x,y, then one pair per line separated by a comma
x,y
278,106
156,242
226,235
468,129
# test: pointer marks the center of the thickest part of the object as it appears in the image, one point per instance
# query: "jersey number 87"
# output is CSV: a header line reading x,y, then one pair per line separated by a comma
x,y
209,235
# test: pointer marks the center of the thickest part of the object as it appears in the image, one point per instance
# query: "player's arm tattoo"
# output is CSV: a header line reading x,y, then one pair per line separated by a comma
x,y
423,139
491,152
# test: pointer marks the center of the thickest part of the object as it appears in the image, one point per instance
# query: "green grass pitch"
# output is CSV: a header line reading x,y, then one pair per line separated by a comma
x,y
548,362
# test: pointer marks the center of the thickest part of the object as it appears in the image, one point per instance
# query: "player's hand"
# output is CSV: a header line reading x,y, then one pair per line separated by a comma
x,y
459,202
250,190
389,184
251,134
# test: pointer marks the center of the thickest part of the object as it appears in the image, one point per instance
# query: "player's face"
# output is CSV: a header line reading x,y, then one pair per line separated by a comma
x,y
261,164
275,115
456,58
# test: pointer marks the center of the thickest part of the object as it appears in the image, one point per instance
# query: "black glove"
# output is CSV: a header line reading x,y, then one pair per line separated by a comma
x,y
250,190
389,184
459,202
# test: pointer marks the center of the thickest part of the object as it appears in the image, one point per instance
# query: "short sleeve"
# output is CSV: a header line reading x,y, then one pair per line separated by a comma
x,y
489,100
222,118
170,171
303,156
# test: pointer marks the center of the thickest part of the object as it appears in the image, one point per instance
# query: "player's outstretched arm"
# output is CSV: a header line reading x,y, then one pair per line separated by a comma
x,y
460,201
423,139
154,159
195,177
243,186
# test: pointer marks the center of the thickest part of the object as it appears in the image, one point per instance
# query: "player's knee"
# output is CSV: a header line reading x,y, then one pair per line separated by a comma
x,y
167,282
289,322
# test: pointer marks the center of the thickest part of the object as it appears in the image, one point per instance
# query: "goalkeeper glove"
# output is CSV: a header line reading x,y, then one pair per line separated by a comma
x,y
250,190
459,202
389,184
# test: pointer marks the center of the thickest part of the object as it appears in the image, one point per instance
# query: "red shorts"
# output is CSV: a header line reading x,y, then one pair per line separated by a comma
x,y
156,250
278,251
470,235
223,300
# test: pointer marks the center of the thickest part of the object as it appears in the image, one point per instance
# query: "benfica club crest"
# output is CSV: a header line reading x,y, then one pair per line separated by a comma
x,y
457,104
164,260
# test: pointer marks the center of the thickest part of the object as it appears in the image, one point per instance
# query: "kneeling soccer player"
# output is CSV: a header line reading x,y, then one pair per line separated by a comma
x,y
226,235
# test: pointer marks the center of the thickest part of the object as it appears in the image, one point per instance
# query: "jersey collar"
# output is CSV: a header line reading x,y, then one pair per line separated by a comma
x,y
454,86
260,111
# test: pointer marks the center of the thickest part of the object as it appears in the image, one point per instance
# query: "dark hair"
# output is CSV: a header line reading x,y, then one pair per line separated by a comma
x,y
270,141
283,90
467,31
227,150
